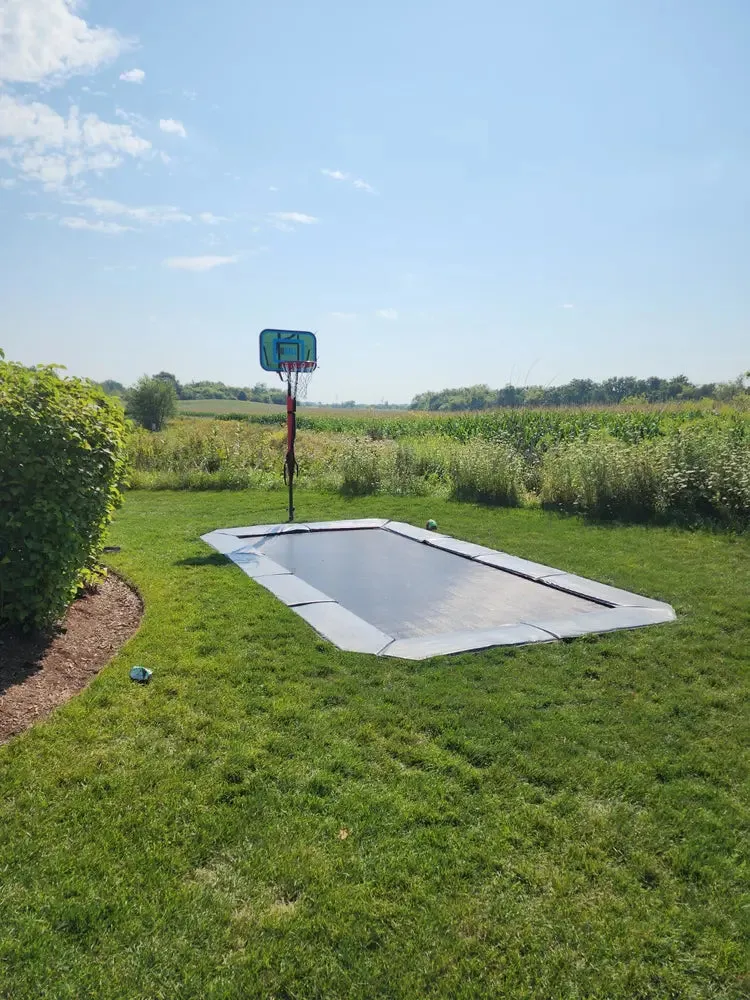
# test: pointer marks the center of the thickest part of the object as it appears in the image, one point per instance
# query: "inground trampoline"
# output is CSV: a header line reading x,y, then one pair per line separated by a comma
x,y
385,587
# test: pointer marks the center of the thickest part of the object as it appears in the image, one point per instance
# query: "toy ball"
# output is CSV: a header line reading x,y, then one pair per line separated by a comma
x,y
431,525
140,675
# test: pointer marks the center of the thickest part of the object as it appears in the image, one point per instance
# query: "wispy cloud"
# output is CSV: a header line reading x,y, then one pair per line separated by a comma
x,y
567,305
110,228
7,183
305,220
133,76
284,221
343,316
132,118
172,126
156,215
44,41
272,188
212,220
52,149
198,263
391,314
340,175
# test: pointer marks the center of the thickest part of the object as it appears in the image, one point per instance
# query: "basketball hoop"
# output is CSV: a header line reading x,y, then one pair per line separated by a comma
x,y
297,375
293,355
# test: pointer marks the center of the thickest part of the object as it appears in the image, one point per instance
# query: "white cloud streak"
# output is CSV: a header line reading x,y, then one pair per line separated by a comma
x,y
212,220
131,117
133,76
340,175
284,220
390,314
45,41
198,263
109,228
172,126
343,316
156,215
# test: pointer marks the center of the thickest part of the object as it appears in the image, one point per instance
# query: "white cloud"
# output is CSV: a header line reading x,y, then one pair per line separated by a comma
x,y
156,215
47,147
111,228
568,305
337,175
132,118
44,40
212,220
284,219
7,182
133,76
358,183
173,126
387,314
190,94
272,188
344,316
197,263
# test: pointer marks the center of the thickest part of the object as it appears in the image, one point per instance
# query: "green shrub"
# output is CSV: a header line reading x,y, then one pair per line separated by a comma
x,y
152,402
61,466
488,473
360,466
605,477
692,475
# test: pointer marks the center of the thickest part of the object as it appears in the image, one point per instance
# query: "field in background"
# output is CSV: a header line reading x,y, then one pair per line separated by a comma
x,y
228,408
219,407
689,465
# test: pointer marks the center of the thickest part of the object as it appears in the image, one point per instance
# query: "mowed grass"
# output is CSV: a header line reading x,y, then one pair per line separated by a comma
x,y
271,817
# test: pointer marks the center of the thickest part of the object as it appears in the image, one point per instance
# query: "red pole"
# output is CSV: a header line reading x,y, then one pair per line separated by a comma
x,y
291,431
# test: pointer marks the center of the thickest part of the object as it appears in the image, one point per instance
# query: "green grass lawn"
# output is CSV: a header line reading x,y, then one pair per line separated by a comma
x,y
554,821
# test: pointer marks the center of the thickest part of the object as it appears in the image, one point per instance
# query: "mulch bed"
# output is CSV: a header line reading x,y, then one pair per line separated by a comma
x,y
38,672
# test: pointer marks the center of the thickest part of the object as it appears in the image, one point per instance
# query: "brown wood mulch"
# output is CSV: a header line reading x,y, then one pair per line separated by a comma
x,y
41,671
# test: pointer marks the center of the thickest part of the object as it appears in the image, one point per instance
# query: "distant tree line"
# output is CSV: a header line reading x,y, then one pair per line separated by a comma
x,y
578,392
259,393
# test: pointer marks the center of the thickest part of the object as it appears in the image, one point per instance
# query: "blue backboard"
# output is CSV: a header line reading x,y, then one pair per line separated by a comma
x,y
282,346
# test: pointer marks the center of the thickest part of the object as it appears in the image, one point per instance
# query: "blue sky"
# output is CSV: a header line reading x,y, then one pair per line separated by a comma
x,y
446,193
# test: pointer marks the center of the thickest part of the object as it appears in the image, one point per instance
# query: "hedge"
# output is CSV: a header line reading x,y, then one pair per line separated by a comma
x,y
62,463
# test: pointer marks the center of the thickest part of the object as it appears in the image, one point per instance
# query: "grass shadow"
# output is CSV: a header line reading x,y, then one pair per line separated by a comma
x,y
213,559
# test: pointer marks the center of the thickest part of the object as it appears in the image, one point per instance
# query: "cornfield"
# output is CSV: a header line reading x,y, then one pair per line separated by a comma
x,y
677,465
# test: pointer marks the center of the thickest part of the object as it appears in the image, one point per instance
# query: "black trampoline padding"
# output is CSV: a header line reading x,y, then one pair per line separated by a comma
x,y
408,589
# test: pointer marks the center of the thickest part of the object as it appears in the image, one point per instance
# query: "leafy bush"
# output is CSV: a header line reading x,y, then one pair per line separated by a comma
x,y
152,402
61,465
604,477
361,469
488,473
690,476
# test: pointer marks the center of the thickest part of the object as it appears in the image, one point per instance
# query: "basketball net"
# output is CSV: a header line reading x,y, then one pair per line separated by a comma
x,y
297,375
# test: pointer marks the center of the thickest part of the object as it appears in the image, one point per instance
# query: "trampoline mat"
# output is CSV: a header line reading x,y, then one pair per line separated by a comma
x,y
408,589
385,587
